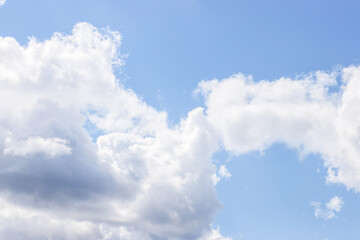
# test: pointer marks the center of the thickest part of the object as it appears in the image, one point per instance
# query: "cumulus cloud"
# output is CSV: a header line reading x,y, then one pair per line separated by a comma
x,y
139,180
314,113
334,205
2,2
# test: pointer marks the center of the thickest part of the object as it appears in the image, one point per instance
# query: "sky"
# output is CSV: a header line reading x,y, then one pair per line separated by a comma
x,y
167,119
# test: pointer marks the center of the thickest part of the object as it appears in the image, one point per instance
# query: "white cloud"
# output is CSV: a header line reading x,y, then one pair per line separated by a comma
x,y
20,223
223,172
2,2
139,180
214,235
50,147
142,179
334,205
306,113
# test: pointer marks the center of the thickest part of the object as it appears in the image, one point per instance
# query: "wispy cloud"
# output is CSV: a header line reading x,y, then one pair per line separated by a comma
x,y
223,172
334,205
2,2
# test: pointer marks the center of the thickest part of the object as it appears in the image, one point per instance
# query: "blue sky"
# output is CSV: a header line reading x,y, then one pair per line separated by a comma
x,y
169,47
188,41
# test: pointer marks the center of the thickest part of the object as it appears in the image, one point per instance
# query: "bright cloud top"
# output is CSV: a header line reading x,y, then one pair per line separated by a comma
x,y
142,179
2,2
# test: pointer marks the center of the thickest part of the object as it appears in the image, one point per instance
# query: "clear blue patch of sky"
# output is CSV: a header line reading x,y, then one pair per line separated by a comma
x,y
269,195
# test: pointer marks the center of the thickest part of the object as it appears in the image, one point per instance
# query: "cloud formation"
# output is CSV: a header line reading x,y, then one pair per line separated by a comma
x,y
140,178
223,172
334,205
314,113
2,2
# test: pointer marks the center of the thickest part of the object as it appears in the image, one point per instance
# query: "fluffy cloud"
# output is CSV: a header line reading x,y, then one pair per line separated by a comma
x,y
2,2
334,205
315,113
139,179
